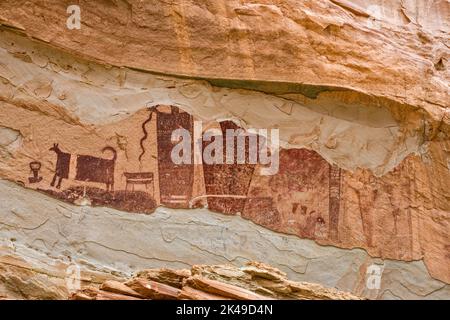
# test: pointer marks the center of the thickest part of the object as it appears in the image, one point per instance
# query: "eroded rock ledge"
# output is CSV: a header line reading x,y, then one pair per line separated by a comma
x,y
254,281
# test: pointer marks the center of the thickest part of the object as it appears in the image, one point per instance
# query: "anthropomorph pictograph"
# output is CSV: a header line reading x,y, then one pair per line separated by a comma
x,y
303,197
175,181
334,201
228,182
168,157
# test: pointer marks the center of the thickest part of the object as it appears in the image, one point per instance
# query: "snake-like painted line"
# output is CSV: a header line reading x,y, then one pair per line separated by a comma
x,y
145,132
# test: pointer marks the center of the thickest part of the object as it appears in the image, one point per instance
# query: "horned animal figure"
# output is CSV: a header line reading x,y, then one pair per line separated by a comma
x,y
62,165
95,169
88,168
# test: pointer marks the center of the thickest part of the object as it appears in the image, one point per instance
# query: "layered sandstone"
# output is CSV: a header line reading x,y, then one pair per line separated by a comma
x,y
358,91
29,274
255,281
395,49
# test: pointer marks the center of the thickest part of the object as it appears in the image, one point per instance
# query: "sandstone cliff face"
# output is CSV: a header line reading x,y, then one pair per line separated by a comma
x,y
357,89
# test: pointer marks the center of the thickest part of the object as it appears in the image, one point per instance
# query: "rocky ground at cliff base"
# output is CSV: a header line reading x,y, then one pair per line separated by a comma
x,y
39,277
254,281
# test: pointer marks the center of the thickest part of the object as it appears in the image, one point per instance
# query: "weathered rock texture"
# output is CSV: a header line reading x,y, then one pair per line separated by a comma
x,y
35,226
358,90
254,281
394,49
28,274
